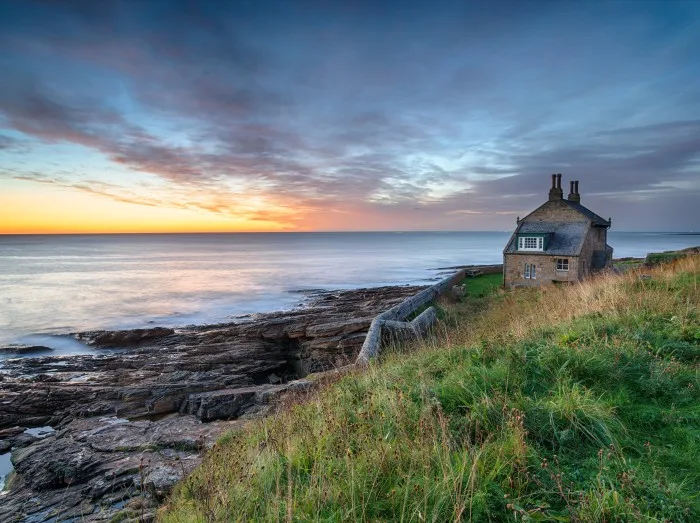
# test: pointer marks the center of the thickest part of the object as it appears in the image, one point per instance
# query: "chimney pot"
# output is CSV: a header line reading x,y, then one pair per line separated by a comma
x,y
555,193
574,196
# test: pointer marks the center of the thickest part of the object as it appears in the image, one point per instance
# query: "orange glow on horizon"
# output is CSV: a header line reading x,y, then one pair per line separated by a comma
x,y
40,208
57,210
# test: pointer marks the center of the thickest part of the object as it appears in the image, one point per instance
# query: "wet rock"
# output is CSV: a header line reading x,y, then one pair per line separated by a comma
x,y
91,465
10,432
162,477
123,338
221,404
55,463
24,349
353,341
23,440
339,327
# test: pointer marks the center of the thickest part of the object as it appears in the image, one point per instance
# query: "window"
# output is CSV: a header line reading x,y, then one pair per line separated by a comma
x,y
562,264
530,243
530,271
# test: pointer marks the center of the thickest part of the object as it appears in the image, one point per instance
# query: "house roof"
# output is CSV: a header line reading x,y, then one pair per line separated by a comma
x,y
597,220
565,238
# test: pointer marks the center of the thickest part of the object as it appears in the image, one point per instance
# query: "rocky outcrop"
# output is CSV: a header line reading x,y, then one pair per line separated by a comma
x,y
123,338
93,467
160,368
24,349
129,422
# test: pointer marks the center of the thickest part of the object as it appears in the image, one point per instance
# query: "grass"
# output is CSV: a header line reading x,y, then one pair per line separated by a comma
x,y
483,285
628,264
577,403
656,258
662,257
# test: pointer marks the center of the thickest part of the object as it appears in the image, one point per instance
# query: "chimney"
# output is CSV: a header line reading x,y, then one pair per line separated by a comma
x,y
574,196
555,193
571,190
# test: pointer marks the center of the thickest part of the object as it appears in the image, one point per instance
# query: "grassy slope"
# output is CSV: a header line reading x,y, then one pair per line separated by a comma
x,y
481,286
573,404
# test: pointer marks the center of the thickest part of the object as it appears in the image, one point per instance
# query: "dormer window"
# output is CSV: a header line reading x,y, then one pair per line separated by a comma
x,y
530,243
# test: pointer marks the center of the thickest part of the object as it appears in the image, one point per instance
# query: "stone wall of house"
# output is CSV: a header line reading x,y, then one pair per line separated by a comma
x,y
546,270
579,267
587,254
595,241
591,243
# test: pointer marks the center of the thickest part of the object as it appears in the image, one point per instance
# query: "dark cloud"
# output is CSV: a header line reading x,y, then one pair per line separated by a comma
x,y
29,111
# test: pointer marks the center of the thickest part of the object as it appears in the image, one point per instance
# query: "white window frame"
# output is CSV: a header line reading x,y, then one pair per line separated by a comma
x,y
530,271
562,264
537,240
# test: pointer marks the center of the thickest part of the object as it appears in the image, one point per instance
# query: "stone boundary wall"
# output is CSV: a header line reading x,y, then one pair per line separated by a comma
x,y
394,322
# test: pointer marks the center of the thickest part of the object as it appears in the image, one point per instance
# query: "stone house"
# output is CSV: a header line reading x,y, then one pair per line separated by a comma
x,y
560,241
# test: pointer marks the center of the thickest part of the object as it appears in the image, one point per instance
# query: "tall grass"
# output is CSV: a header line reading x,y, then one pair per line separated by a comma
x,y
565,404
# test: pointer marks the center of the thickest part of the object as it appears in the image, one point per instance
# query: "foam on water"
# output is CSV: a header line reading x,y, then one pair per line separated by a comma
x,y
40,432
5,469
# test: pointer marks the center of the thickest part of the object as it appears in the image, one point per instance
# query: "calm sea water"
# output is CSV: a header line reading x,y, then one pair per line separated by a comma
x,y
52,285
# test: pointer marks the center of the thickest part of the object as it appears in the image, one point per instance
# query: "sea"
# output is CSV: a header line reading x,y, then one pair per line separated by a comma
x,y
51,285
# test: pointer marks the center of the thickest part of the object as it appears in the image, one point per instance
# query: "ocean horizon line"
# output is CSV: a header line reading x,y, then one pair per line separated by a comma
x,y
212,233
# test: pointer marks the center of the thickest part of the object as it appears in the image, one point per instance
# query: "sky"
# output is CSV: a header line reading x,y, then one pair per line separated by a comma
x,y
184,116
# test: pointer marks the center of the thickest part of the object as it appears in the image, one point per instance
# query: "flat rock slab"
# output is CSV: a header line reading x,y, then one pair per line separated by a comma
x,y
226,403
108,339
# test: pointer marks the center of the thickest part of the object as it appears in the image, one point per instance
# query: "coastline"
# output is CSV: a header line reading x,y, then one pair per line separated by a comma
x,y
138,418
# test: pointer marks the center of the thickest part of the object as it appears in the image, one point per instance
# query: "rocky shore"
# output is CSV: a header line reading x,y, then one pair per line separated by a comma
x,y
91,435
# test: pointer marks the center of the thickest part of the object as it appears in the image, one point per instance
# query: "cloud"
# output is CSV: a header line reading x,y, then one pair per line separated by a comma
x,y
302,114
113,192
8,143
